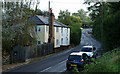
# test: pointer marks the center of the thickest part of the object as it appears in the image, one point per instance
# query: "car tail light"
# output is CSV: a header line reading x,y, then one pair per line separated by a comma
x,y
82,60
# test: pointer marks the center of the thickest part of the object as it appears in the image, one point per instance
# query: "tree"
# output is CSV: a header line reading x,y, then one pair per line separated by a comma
x,y
82,14
64,17
74,23
106,26
16,27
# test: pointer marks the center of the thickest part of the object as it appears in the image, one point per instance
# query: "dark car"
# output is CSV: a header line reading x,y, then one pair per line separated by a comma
x,y
75,60
89,32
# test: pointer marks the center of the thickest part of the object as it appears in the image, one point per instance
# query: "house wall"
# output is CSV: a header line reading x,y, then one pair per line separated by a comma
x,y
46,33
61,37
61,33
65,36
68,36
57,36
42,34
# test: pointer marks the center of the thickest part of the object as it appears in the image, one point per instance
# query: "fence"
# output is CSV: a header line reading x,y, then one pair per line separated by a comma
x,y
20,54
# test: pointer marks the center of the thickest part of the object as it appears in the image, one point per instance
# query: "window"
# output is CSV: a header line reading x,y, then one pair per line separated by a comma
x,y
67,30
39,42
46,28
62,41
75,57
56,29
86,49
61,30
67,41
39,29
57,42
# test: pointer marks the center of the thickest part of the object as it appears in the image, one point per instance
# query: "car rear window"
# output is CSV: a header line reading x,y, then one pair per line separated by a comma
x,y
86,50
74,57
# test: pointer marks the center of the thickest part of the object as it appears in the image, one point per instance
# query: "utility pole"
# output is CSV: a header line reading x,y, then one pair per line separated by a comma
x,y
51,26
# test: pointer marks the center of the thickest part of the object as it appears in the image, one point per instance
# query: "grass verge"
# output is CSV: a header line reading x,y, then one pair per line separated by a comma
x,y
108,62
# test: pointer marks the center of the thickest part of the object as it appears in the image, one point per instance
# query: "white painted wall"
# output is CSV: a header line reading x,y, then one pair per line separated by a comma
x,y
68,36
42,33
57,36
61,37
65,36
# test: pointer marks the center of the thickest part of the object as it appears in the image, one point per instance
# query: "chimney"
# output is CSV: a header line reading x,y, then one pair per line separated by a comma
x,y
51,27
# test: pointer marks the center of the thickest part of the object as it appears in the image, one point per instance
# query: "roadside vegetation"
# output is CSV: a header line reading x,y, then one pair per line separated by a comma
x,y
16,28
106,28
106,23
15,25
74,21
108,62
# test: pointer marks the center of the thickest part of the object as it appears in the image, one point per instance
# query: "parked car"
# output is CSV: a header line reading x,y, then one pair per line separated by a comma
x,y
75,60
89,32
89,50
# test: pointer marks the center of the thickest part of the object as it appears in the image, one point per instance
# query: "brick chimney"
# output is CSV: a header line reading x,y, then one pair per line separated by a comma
x,y
51,27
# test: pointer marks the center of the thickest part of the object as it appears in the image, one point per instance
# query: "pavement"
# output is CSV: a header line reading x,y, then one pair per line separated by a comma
x,y
55,63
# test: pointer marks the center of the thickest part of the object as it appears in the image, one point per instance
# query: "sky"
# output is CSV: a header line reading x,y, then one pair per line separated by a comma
x,y
57,5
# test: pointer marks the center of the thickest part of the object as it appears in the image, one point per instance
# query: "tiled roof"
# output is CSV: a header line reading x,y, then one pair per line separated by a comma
x,y
43,19
63,25
40,20
56,23
36,20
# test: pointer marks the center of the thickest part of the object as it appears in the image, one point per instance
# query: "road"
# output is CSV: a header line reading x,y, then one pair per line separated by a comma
x,y
57,62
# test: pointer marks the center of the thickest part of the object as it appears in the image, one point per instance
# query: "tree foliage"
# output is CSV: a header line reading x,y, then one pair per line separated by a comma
x,y
106,23
42,13
64,17
16,27
74,23
84,18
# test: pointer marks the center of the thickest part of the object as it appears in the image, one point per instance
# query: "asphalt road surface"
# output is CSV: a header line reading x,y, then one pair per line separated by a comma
x,y
57,62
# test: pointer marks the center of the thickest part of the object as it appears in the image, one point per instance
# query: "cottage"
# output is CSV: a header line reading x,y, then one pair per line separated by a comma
x,y
61,31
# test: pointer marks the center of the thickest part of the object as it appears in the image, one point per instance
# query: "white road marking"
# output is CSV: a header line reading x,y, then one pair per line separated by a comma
x,y
45,69
61,62
52,67
63,70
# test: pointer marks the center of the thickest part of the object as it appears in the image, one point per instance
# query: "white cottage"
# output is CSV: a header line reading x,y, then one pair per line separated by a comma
x,y
61,31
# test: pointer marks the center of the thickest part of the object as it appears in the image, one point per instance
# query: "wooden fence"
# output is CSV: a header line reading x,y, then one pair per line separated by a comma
x,y
21,54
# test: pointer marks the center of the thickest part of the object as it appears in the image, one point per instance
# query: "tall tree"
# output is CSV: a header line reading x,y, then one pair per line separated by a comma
x,y
82,14
74,23
106,26
64,17
16,27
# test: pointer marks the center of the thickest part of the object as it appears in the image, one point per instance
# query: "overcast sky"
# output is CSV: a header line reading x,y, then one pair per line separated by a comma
x,y
57,5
